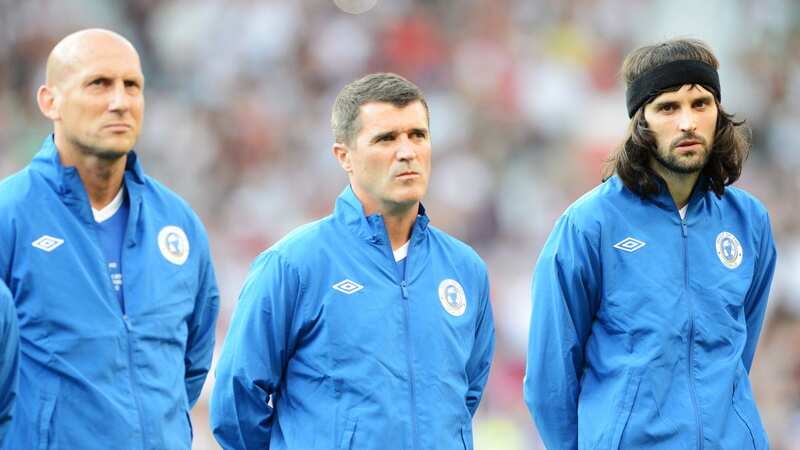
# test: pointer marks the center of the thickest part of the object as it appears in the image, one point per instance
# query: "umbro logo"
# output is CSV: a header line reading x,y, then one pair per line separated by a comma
x,y
47,243
629,244
348,286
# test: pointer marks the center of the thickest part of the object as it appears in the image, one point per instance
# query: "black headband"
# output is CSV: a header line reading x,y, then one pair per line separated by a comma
x,y
675,73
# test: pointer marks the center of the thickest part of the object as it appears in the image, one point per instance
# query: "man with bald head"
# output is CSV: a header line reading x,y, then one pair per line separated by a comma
x,y
110,272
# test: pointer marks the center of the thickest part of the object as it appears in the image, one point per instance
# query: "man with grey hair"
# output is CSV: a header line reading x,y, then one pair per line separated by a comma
x,y
110,271
369,328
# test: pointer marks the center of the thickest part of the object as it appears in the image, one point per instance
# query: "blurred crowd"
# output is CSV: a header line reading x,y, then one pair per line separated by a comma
x,y
526,104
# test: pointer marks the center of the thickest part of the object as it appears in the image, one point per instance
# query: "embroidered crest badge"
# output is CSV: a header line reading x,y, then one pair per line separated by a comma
x,y
174,244
452,297
729,250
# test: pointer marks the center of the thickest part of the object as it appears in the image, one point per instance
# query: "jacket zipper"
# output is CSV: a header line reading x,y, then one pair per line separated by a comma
x,y
126,321
409,360
685,233
412,399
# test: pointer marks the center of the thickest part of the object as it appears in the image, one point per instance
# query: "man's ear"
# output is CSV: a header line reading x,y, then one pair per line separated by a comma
x,y
47,99
342,154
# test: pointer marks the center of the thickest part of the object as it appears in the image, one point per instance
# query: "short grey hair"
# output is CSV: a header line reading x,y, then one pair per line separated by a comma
x,y
375,87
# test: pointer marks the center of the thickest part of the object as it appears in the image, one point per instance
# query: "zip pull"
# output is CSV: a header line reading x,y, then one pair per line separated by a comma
x,y
684,228
127,322
404,289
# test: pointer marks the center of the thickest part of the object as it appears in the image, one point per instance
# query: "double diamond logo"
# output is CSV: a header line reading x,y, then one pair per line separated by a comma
x,y
348,286
47,243
629,244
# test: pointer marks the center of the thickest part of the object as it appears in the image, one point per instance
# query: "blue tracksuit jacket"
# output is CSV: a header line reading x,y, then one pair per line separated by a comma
x,y
9,359
352,354
644,325
95,374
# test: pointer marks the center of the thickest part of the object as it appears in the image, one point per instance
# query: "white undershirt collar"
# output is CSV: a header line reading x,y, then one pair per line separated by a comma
x,y
109,210
401,252
682,211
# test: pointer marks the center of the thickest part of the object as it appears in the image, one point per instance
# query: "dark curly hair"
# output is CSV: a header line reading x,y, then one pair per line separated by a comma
x,y
631,161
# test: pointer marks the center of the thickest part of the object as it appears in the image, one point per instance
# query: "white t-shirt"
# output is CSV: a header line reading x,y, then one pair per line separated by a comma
x,y
401,252
109,210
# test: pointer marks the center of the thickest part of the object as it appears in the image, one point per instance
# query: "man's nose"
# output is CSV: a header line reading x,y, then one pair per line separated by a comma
x,y
405,149
687,122
119,100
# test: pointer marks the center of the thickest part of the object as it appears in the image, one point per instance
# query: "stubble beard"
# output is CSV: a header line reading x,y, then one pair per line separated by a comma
x,y
399,204
671,162
103,154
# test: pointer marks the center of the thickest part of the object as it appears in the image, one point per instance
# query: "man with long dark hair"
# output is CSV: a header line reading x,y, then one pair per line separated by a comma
x,y
649,295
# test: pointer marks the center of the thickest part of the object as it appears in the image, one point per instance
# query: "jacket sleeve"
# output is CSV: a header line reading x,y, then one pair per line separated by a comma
x,y
483,348
9,360
565,295
202,329
260,342
7,242
755,302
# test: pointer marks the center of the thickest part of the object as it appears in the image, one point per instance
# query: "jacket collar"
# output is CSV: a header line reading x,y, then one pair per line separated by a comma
x,y
48,162
67,182
350,212
663,199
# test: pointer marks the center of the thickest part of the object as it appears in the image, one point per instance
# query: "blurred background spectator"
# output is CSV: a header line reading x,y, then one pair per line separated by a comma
x,y
526,103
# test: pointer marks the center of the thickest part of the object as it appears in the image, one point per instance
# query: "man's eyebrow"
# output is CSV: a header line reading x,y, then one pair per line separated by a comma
x,y
704,97
661,103
94,75
105,74
384,134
